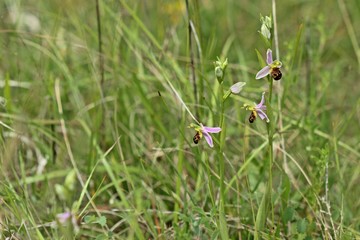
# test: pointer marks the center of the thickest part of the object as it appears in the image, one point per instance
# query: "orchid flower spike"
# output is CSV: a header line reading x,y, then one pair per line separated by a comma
x,y
258,109
205,131
273,68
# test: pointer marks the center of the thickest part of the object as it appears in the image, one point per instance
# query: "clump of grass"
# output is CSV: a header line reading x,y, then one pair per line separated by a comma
x,y
94,132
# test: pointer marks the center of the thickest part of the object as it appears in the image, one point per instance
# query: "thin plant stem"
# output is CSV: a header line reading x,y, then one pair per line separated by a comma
x,y
350,29
276,38
280,93
270,141
270,89
101,60
211,187
222,222
102,78
192,63
180,171
182,102
221,162
282,140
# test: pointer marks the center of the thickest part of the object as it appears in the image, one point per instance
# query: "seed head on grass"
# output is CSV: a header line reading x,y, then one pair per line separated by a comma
x,y
273,68
258,109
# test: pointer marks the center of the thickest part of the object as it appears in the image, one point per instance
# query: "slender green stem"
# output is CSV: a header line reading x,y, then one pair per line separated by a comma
x,y
102,78
282,142
222,221
270,91
222,137
192,62
270,128
275,30
180,171
211,187
350,29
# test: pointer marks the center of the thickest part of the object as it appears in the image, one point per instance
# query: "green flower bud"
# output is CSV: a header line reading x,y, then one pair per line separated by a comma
x,y
266,25
267,21
265,31
220,69
219,74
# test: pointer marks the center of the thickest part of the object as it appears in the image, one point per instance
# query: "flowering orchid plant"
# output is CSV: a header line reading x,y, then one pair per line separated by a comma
x,y
68,217
205,131
258,109
273,68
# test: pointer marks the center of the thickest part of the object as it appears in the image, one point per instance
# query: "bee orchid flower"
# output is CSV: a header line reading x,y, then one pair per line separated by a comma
x,y
273,68
258,109
204,131
63,217
66,218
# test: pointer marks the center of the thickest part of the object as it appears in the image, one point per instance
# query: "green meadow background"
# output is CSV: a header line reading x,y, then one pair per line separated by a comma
x,y
100,134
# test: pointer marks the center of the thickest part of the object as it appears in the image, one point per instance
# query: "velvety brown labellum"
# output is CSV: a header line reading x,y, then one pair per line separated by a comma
x,y
197,138
276,73
252,117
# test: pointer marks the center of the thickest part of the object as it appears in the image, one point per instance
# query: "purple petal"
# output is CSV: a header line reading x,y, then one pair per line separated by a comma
x,y
263,107
208,139
262,115
63,217
260,105
269,58
211,129
263,72
237,87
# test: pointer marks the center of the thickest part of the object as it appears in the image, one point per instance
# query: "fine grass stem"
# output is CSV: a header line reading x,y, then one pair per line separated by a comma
x,y
350,30
102,75
192,62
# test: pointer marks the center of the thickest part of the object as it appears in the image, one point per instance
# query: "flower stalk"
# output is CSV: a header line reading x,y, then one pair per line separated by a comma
x,y
222,221
272,72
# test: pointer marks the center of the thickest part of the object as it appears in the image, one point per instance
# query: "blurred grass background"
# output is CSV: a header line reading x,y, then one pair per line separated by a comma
x,y
124,138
